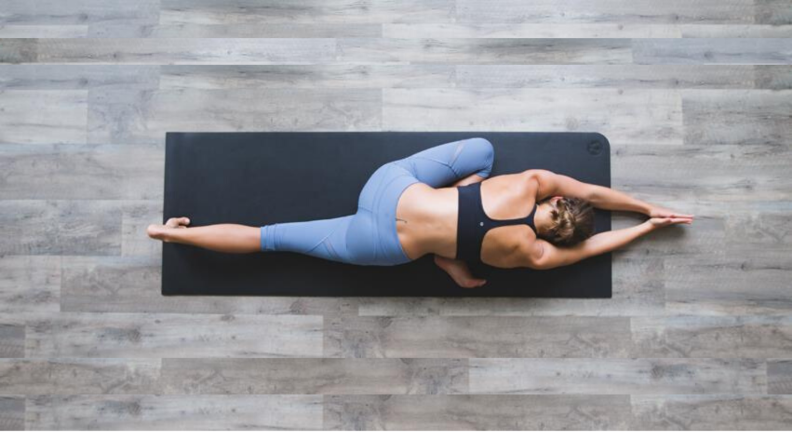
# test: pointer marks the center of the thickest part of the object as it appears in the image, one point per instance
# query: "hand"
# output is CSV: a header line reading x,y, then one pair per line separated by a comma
x,y
661,222
659,211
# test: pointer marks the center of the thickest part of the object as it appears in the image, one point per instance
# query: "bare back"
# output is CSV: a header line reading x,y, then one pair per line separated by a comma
x,y
427,219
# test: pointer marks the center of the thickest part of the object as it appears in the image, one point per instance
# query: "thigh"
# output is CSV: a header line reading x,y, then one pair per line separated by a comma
x,y
444,164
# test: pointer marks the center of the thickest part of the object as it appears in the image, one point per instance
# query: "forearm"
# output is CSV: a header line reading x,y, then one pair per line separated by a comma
x,y
468,180
613,240
611,199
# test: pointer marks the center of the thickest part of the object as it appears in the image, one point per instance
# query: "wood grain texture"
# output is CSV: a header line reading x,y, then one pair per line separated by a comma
x,y
145,116
12,413
122,335
618,376
79,376
530,109
693,96
82,172
478,336
779,376
55,116
131,284
770,51
640,77
640,11
303,11
12,341
476,412
711,412
29,284
78,77
57,227
315,376
306,76
174,412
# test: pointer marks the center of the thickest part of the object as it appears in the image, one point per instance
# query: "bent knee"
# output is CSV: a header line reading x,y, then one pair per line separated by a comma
x,y
481,154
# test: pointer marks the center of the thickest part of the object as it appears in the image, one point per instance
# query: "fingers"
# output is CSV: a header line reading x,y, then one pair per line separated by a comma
x,y
680,220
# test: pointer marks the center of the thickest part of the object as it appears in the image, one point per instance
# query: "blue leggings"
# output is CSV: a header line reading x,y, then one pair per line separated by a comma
x,y
369,236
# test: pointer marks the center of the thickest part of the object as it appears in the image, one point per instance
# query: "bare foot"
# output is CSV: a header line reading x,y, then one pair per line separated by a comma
x,y
459,271
160,232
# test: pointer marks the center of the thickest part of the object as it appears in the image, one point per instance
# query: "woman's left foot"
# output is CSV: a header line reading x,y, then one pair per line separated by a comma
x,y
160,232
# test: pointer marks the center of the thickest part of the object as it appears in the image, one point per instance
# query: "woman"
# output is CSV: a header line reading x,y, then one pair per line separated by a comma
x,y
439,201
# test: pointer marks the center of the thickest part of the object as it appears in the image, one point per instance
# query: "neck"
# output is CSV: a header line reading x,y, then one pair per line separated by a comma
x,y
542,219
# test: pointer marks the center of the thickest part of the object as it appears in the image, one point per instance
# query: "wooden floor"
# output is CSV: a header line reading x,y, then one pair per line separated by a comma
x,y
696,98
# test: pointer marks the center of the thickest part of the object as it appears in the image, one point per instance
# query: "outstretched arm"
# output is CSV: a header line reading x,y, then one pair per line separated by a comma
x,y
551,184
544,255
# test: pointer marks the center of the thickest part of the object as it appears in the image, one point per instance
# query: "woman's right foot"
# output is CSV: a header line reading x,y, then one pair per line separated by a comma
x,y
160,232
459,271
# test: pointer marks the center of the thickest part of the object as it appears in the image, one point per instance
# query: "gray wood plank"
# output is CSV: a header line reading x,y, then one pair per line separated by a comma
x,y
12,413
610,30
713,337
641,77
124,335
29,284
738,117
647,116
43,31
478,336
774,77
774,12
271,30
78,77
175,412
306,76
485,51
617,376
54,116
711,412
79,376
637,290
315,376
146,115
304,11
769,51
599,11
12,341
702,178
733,31
779,376
82,172
702,284
132,284
173,51
106,14
14,51
136,218
53,227
477,412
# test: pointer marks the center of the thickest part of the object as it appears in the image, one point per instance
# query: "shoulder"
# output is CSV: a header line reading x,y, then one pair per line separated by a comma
x,y
542,181
534,253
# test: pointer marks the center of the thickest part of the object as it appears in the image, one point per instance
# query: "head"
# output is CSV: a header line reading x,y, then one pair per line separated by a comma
x,y
565,221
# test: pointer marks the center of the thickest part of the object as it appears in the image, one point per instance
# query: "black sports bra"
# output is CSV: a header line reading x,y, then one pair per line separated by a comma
x,y
473,223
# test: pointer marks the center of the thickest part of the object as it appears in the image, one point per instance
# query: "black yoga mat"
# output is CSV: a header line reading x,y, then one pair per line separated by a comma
x,y
264,178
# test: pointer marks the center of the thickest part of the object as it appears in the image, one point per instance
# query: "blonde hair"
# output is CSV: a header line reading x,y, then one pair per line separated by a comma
x,y
572,221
